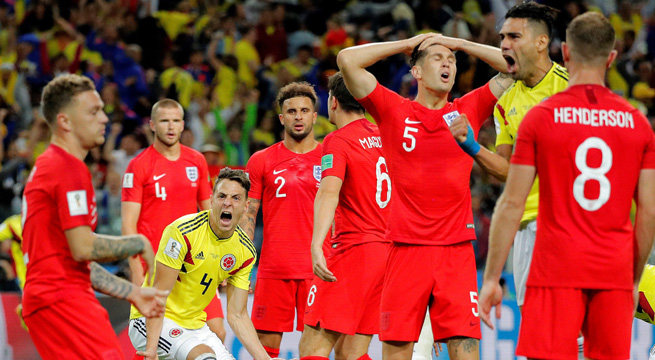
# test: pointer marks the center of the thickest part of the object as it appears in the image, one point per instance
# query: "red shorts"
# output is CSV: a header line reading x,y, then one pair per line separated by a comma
x,y
418,273
352,303
277,302
215,309
553,318
62,331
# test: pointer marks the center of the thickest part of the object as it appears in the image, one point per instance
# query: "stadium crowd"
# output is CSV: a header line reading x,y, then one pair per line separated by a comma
x,y
225,61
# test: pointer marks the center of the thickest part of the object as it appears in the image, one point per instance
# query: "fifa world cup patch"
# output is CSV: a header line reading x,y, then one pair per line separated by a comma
x,y
470,226
173,248
175,332
77,203
228,262
327,162
448,118
128,180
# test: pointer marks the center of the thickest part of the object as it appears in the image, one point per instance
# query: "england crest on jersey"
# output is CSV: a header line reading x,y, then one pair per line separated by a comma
x,y
192,173
450,117
317,172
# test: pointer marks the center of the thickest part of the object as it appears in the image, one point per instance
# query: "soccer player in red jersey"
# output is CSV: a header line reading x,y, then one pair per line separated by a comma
x,y
165,181
65,319
430,221
285,178
355,190
594,153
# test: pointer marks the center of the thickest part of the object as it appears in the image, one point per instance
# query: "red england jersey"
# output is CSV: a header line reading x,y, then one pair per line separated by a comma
x,y
429,171
588,146
286,183
58,196
354,155
165,189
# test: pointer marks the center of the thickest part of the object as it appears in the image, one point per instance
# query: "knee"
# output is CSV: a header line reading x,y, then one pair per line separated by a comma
x,y
201,352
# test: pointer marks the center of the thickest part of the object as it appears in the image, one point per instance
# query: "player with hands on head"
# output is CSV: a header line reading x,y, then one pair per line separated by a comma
x,y
60,248
430,221
594,154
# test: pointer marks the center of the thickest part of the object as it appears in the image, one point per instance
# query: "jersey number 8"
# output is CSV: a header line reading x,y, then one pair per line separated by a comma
x,y
587,173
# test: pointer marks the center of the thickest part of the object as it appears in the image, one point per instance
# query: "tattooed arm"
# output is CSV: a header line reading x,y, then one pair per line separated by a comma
x,y
149,301
85,245
247,222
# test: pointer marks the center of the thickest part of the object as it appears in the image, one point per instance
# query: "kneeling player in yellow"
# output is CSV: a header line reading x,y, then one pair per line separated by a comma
x,y
197,252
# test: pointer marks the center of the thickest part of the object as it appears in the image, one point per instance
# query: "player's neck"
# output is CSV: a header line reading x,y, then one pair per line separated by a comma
x,y
342,118
540,71
300,147
583,74
169,152
69,146
431,99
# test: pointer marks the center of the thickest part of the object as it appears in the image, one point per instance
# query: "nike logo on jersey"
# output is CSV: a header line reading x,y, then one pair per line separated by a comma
x,y
408,121
278,171
155,177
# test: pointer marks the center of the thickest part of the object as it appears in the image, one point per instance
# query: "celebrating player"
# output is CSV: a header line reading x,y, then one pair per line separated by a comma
x,y
594,153
198,252
430,221
285,178
344,297
165,181
65,319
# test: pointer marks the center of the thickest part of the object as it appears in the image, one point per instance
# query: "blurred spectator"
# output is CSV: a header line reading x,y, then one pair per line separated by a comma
x,y
626,18
215,160
271,38
109,204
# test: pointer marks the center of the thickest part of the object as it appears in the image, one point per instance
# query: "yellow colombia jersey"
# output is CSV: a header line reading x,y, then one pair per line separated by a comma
x,y
204,260
512,107
11,229
647,295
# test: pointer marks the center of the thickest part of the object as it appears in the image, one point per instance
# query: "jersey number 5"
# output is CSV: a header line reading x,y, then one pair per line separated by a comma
x,y
587,173
412,140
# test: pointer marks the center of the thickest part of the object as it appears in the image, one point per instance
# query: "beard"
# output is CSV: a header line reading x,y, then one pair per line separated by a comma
x,y
298,136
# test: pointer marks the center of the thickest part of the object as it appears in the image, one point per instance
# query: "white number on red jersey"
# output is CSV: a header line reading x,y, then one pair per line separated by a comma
x,y
412,139
588,173
474,300
381,177
281,180
160,192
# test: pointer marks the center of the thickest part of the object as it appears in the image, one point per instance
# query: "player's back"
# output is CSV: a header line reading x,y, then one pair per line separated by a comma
x,y
590,145
354,154
165,189
55,201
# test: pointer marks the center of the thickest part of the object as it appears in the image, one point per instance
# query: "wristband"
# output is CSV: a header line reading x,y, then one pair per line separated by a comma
x,y
470,146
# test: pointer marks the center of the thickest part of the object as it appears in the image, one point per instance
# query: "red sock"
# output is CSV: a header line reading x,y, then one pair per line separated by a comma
x,y
313,358
272,352
364,357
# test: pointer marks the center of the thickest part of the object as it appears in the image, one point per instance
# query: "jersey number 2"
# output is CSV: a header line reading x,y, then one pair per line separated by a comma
x,y
587,173
277,192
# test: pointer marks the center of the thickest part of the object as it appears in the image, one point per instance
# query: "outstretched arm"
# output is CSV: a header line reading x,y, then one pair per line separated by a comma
x,y
237,317
149,301
644,225
353,62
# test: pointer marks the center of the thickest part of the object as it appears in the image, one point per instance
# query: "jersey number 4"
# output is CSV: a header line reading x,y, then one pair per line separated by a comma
x,y
160,191
587,173
205,283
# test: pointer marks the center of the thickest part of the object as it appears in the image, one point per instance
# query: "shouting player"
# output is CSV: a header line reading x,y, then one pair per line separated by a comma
x,y
593,153
355,190
165,181
285,178
198,252
65,319
431,263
